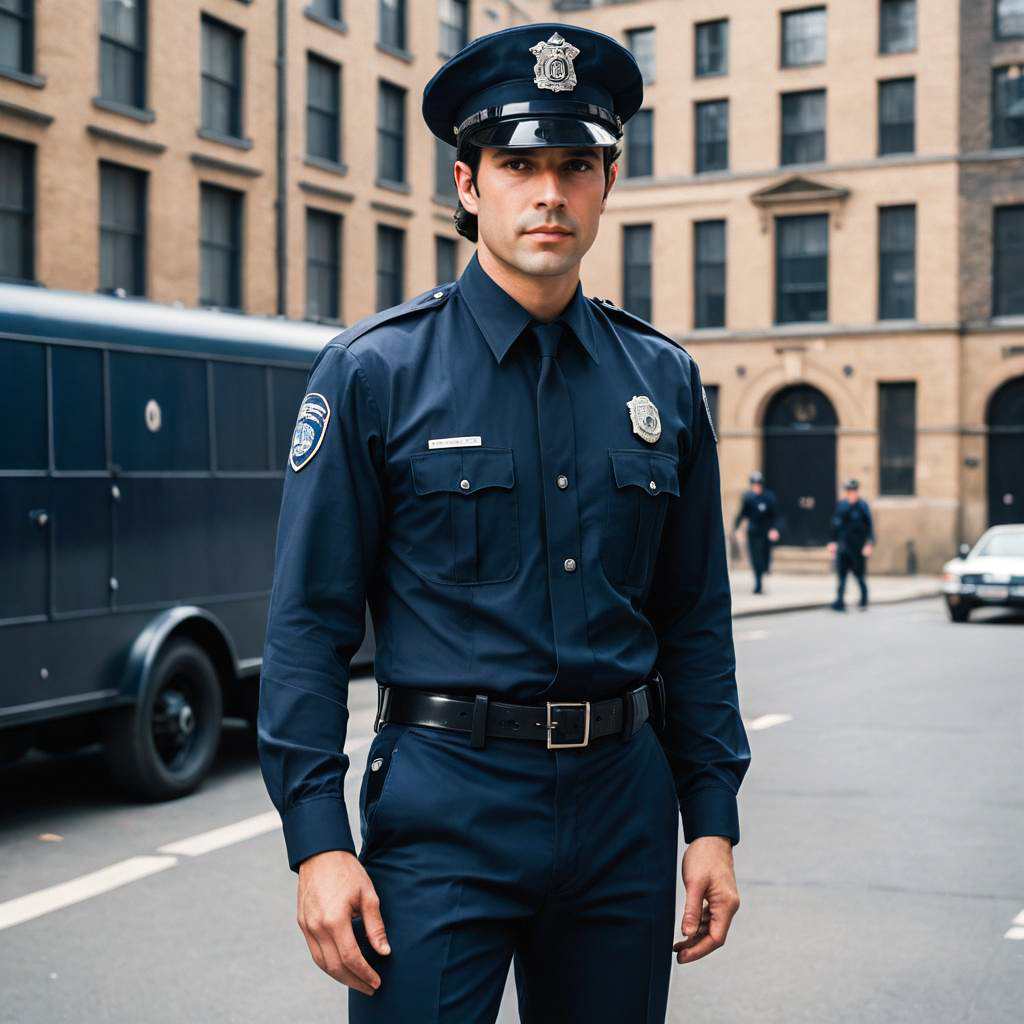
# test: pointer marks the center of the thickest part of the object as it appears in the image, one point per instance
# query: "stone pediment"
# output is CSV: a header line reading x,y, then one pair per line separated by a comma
x,y
799,191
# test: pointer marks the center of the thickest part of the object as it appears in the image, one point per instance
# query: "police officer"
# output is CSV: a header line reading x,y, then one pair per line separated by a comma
x,y
853,539
760,509
523,483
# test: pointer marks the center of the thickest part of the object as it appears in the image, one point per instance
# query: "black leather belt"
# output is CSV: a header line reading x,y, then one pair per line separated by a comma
x,y
560,724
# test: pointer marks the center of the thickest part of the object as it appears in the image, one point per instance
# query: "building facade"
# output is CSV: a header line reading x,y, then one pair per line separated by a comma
x,y
255,155
824,203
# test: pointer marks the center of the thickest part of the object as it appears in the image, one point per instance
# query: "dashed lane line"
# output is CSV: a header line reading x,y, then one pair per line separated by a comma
x,y
767,721
1017,931
85,887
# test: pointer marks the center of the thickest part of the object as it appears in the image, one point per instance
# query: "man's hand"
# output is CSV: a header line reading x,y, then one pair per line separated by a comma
x,y
334,888
867,549
773,536
708,875
832,547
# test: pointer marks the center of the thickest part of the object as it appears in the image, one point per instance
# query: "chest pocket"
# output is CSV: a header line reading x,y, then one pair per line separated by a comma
x,y
465,515
641,486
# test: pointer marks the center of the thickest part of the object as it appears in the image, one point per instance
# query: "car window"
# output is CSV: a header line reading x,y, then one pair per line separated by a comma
x,y
1003,545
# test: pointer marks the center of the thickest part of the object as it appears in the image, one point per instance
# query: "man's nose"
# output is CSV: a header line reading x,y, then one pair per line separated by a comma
x,y
550,195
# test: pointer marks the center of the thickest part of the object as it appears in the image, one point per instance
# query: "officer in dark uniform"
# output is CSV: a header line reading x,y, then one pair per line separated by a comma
x,y
760,509
853,539
523,483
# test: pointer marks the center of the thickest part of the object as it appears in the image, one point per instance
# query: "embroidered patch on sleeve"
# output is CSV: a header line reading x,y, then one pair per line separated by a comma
x,y
310,428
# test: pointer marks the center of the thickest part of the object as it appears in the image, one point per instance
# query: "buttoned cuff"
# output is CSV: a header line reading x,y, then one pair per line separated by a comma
x,y
314,826
710,812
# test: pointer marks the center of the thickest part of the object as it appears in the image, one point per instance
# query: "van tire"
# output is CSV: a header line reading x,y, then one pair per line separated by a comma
x,y
163,746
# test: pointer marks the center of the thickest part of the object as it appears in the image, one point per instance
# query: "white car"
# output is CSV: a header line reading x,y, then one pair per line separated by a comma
x,y
991,574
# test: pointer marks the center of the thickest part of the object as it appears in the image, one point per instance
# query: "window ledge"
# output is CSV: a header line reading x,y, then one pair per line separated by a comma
x,y
896,53
395,51
797,67
124,109
710,74
225,140
394,186
331,166
320,19
36,81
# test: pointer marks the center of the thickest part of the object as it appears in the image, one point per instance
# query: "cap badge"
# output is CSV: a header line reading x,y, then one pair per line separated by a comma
x,y
643,414
554,69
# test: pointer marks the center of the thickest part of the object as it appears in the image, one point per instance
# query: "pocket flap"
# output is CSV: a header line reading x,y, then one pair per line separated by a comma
x,y
446,470
636,468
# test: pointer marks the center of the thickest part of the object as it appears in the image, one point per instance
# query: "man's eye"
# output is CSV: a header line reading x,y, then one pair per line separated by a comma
x,y
514,165
581,165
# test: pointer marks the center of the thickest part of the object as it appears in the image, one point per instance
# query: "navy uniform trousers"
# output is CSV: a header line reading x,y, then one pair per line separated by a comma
x,y
565,860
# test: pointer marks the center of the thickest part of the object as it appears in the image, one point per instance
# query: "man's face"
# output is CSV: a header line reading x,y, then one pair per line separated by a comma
x,y
756,487
537,209
851,496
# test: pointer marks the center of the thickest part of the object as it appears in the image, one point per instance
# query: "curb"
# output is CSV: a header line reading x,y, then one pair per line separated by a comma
x,y
812,605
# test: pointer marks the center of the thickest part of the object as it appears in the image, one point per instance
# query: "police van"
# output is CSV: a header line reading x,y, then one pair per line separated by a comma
x,y
142,453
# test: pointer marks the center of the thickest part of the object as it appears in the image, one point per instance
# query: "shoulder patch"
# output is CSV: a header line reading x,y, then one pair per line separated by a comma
x,y
433,299
707,409
310,427
621,315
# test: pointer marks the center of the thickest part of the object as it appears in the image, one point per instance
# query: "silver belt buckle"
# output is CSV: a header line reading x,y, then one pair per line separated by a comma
x,y
586,724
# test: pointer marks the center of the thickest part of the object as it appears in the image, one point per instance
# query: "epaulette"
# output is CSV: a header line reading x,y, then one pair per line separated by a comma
x,y
428,300
618,313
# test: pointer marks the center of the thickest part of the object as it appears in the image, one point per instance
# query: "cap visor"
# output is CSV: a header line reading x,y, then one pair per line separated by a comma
x,y
543,132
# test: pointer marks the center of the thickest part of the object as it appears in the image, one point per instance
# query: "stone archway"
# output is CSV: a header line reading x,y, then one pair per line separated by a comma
x,y
799,429
1005,460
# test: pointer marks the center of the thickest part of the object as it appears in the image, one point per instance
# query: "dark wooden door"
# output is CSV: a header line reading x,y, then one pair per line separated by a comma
x,y
1006,454
800,463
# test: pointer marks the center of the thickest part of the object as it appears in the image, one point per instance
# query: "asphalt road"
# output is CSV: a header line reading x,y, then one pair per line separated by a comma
x,y
881,866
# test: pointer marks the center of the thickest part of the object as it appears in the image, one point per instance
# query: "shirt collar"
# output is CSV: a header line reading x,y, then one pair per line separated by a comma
x,y
502,320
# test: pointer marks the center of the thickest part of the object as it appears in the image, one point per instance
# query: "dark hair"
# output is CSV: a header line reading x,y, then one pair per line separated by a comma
x,y
465,222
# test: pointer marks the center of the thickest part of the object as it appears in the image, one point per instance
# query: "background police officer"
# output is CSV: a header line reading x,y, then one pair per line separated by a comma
x,y
524,485
853,539
760,509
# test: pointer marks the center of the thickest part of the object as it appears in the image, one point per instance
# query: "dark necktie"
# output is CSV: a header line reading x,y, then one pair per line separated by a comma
x,y
561,516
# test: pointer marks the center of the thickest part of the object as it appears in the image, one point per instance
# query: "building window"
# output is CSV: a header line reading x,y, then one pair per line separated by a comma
x,y
1009,19
640,145
1008,107
454,16
1008,276
391,133
392,24
803,37
801,269
896,116
803,127
323,109
897,259
323,265
220,247
329,9
712,48
897,436
390,266
641,44
898,26
636,269
123,52
222,78
16,31
712,136
709,273
444,172
122,228
445,251
17,210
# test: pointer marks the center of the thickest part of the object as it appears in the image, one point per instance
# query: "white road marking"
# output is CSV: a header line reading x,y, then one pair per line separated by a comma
x,y
1019,919
767,721
218,838
43,901
1015,933
753,634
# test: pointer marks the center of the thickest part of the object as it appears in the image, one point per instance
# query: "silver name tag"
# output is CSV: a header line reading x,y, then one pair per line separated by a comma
x,y
454,442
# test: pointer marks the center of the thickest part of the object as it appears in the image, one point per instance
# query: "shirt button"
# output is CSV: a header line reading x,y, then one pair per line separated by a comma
x,y
569,565
464,484
653,486
562,481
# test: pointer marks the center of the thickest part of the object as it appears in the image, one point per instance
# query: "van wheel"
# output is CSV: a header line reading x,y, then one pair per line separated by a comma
x,y
163,746
958,613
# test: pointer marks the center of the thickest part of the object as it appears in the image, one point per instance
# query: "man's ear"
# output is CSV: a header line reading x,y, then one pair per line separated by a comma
x,y
613,173
466,189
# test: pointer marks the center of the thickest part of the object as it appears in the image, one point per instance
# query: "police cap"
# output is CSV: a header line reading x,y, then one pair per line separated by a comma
x,y
535,86
757,477
851,485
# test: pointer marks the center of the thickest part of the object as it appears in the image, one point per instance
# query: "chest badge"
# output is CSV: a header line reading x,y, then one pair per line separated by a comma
x,y
554,69
643,414
310,427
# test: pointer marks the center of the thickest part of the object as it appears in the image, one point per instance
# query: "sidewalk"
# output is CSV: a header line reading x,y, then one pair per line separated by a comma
x,y
785,592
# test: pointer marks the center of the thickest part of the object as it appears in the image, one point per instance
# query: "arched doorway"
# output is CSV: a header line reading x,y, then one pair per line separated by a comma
x,y
1006,454
800,462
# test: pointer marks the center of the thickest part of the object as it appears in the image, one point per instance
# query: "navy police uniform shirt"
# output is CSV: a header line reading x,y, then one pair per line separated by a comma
x,y
760,512
852,526
483,572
